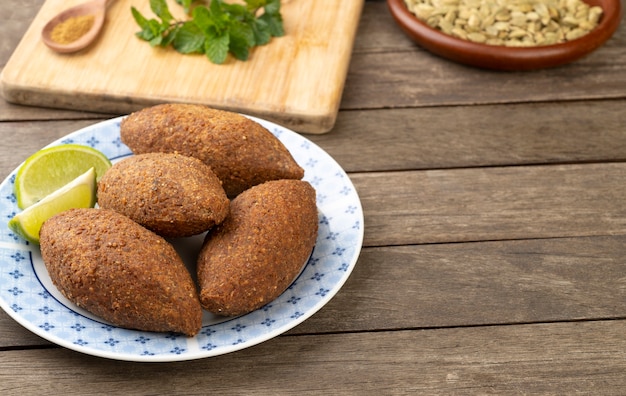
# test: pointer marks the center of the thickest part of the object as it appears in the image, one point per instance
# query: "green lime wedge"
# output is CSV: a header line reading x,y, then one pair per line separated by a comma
x,y
79,193
51,168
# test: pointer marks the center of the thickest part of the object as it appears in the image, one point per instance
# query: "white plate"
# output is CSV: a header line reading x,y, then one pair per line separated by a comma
x,y
28,296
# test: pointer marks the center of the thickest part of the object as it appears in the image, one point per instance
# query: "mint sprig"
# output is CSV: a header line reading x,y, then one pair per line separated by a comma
x,y
215,30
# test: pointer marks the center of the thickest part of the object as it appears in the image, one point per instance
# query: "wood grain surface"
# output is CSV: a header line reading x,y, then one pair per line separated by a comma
x,y
495,231
478,360
297,81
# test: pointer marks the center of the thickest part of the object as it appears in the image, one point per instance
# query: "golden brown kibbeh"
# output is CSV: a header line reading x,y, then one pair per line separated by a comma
x,y
255,254
241,152
170,194
111,266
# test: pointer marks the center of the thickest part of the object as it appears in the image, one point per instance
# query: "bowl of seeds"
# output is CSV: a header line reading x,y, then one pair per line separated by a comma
x,y
508,34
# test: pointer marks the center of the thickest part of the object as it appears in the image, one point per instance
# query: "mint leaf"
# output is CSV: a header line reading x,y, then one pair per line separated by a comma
x,y
159,7
186,4
151,29
216,48
216,11
202,18
235,10
139,18
239,50
274,24
254,5
215,30
243,33
261,31
272,7
241,40
156,41
189,39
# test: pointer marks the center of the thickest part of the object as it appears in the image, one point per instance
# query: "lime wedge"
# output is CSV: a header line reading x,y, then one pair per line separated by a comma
x,y
79,193
51,168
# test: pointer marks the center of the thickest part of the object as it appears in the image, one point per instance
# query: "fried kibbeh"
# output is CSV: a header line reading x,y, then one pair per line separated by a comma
x,y
256,253
241,152
170,194
111,266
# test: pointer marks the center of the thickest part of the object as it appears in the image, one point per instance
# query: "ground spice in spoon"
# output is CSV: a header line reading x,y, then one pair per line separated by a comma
x,y
72,29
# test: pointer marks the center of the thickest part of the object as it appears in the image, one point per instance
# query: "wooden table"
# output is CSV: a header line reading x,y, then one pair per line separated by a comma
x,y
494,257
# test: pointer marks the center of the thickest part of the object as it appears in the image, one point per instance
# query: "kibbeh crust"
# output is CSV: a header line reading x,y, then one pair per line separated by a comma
x,y
256,253
170,194
111,266
241,152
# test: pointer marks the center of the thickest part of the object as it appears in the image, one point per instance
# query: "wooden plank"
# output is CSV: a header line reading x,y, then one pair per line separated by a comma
x,y
464,284
443,83
10,112
426,138
470,136
15,336
481,204
297,79
19,16
557,358
485,283
25,138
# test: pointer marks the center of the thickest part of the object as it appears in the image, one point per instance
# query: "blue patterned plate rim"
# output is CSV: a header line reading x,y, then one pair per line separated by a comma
x,y
28,296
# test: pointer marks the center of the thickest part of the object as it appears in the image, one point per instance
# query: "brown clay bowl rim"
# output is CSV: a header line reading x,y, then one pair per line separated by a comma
x,y
508,58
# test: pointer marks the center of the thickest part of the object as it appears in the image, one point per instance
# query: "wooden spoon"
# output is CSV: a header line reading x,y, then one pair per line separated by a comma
x,y
97,8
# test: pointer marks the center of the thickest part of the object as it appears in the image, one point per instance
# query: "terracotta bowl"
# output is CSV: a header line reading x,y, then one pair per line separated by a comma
x,y
508,58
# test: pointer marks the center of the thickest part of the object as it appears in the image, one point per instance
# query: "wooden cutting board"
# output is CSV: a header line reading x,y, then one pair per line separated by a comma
x,y
296,80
